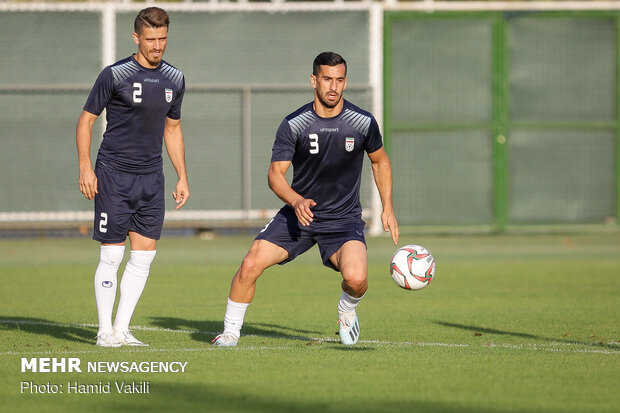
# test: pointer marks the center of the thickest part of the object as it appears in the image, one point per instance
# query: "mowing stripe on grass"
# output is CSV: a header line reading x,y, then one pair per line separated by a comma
x,y
558,347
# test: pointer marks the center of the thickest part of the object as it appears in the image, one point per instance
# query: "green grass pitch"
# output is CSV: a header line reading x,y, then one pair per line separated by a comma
x,y
513,323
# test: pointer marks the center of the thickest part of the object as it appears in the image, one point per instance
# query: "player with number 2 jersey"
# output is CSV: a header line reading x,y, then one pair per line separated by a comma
x,y
137,100
142,95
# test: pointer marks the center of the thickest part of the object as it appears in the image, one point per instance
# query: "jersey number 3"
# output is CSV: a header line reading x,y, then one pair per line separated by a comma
x,y
137,92
314,143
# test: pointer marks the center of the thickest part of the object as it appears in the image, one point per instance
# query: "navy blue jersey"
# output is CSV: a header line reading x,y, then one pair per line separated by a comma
x,y
327,155
137,101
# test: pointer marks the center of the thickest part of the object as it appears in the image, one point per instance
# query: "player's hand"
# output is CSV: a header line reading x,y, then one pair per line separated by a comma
x,y
88,183
182,193
390,225
303,212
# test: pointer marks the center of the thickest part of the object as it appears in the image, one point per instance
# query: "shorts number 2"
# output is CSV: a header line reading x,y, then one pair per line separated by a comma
x,y
103,222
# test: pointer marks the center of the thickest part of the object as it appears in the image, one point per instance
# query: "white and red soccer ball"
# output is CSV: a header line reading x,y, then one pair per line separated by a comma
x,y
412,267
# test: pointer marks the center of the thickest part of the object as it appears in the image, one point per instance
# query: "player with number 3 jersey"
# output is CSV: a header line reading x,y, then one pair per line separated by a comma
x,y
142,95
325,142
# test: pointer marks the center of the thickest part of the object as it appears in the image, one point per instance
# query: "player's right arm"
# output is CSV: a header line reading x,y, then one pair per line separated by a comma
x,y
84,132
99,96
280,186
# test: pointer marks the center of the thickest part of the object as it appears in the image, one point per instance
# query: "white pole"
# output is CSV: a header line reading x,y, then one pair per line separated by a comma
x,y
247,149
108,46
108,35
376,85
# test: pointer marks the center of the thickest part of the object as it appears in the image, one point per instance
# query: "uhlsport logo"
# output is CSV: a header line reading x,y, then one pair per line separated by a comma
x,y
168,95
349,144
107,284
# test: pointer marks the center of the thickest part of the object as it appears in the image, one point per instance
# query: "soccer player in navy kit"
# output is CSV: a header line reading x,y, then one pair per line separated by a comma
x,y
142,95
325,141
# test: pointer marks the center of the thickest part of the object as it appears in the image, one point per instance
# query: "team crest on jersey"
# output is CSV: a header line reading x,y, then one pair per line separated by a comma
x,y
349,144
168,95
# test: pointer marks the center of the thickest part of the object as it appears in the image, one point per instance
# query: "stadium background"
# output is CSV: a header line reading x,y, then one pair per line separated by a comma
x,y
492,119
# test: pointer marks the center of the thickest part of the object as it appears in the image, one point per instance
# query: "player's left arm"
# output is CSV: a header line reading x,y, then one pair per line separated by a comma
x,y
382,172
173,137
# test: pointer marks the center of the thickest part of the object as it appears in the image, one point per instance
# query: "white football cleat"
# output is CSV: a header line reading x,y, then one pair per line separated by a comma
x,y
107,339
127,339
349,328
225,340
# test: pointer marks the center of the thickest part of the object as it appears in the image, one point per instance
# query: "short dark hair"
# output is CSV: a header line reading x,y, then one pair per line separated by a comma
x,y
152,18
327,59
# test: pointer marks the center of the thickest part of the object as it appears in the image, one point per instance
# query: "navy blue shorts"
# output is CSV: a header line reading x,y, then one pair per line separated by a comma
x,y
285,231
128,202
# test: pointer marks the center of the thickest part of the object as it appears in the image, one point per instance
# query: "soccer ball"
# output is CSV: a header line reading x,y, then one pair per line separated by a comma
x,y
412,267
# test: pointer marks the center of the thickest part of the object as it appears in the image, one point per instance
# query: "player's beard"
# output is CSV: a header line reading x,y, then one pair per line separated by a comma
x,y
329,104
151,60
154,61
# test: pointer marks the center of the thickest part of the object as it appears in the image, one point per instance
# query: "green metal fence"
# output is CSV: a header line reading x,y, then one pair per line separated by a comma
x,y
503,118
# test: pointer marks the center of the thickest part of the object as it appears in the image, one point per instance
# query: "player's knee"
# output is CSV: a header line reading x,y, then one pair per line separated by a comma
x,y
112,255
140,262
357,285
356,278
251,269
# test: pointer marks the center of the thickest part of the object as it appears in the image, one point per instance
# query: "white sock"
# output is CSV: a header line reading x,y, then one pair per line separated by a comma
x,y
347,303
233,319
110,257
132,284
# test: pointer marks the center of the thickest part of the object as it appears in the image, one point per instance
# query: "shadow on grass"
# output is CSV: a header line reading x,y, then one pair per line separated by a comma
x,y
484,330
205,331
224,398
199,330
69,332
194,397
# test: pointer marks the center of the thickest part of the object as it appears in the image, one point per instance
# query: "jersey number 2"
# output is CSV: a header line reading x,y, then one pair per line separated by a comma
x,y
314,143
137,92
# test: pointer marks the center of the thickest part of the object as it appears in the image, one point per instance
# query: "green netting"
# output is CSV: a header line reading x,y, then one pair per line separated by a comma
x,y
48,48
38,159
562,69
439,74
440,71
234,48
559,176
442,177
213,141
554,101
